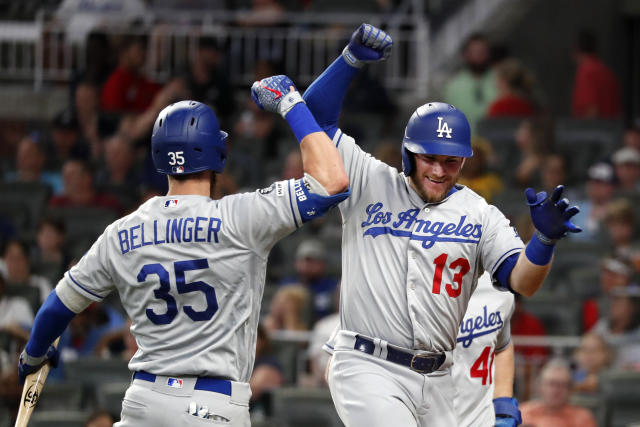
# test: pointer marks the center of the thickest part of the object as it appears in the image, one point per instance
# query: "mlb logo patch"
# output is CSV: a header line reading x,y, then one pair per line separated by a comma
x,y
173,203
178,169
174,382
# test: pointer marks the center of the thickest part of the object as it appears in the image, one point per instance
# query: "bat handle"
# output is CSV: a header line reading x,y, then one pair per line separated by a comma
x,y
33,385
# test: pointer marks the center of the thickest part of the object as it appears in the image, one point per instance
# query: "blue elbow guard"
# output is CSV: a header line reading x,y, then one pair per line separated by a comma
x,y
312,205
507,412
504,271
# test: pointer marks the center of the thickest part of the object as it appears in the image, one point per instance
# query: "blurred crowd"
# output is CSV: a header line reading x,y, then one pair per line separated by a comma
x,y
93,159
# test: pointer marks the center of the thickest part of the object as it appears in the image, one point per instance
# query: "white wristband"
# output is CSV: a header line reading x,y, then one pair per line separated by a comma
x,y
351,60
288,101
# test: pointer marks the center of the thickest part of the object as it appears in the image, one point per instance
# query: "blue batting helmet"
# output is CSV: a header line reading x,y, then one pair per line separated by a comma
x,y
187,139
436,128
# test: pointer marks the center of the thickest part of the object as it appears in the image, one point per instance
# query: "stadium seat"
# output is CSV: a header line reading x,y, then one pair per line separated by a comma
x,y
61,396
287,354
83,225
304,407
94,371
560,316
501,134
587,141
621,390
29,293
26,198
109,396
595,403
58,418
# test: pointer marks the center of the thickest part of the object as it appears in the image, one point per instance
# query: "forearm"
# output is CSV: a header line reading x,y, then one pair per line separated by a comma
x,y
326,94
52,319
504,373
527,277
320,158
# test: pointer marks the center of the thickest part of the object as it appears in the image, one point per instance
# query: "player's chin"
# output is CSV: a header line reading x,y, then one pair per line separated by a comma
x,y
435,191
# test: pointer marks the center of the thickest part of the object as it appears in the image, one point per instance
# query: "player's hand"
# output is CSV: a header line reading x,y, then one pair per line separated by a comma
x,y
367,44
277,94
507,412
28,364
551,215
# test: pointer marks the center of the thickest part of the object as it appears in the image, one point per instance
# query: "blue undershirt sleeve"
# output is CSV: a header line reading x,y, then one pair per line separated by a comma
x,y
325,95
52,319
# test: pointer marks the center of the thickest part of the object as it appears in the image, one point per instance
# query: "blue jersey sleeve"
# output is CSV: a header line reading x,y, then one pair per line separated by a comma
x,y
51,320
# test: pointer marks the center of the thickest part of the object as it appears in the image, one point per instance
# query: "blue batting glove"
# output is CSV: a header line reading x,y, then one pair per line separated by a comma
x,y
367,44
274,94
507,412
551,215
29,364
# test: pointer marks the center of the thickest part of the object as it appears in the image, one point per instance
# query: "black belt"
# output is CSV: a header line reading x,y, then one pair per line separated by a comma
x,y
216,385
421,363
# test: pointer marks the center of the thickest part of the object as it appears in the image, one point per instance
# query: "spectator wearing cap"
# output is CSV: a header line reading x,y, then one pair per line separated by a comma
x,y
631,137
596,91
600,189
620,224
614,273
553,409
627,166
30,162
67,141
311,272
79,190
620,327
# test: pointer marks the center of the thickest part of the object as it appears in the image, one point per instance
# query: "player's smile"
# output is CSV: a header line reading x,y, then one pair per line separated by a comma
x,y
439,173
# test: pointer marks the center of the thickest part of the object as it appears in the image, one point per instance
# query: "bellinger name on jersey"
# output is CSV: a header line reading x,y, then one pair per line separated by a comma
x,y
431,230
176,230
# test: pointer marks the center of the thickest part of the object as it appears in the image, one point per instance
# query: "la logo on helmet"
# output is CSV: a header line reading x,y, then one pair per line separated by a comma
x,y
443,128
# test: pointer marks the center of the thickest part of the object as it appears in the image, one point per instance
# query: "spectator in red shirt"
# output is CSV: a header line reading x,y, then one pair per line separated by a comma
x,y
79,190
126,89
514,83
526,324
596,92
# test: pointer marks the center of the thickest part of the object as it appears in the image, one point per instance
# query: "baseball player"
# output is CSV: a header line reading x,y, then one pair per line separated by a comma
x,y
483,366
414,245
190,270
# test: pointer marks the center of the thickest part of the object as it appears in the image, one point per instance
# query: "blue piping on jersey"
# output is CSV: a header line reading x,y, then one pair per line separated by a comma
x,y
295,221
82,287
500,349
466,341
427,241
339,138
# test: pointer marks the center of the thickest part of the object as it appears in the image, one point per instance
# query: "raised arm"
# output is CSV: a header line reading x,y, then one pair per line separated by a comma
x,y
325,95
551,217
320,157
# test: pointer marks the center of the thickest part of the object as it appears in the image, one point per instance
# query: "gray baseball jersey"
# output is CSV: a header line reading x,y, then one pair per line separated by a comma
x,y
484,331
190,272
410,267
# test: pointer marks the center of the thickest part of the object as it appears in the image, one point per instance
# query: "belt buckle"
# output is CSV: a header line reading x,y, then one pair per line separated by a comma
x,y
422,357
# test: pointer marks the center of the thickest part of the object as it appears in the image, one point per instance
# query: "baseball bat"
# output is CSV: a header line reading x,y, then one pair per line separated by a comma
x,y
31,391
